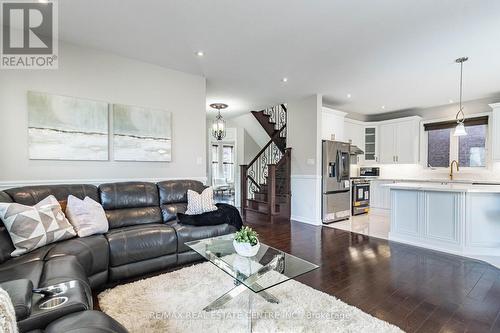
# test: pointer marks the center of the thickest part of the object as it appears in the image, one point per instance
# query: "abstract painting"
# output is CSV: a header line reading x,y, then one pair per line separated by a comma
x,y
141,134
67,128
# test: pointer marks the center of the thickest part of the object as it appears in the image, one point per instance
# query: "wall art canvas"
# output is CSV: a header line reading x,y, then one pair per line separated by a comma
x,y
67,128
141,134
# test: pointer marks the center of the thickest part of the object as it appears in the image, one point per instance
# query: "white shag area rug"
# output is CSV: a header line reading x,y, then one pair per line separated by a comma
x,y
173,302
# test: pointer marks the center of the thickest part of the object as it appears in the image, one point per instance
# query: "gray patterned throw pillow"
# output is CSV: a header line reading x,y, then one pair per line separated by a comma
x,y
200,203
31,227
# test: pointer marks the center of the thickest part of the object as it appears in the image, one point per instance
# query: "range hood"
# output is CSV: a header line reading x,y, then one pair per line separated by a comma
x,y
355,150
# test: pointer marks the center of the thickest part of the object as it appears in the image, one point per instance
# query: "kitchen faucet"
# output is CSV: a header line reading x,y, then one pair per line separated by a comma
x,y
451,168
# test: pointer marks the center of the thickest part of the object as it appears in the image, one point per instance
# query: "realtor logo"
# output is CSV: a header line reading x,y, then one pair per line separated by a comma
x,y
29,34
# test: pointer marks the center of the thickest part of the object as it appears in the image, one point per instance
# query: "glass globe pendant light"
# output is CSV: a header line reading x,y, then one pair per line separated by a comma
x,y
460,117
219,124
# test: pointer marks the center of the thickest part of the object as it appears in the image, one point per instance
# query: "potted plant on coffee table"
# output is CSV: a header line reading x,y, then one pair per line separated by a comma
x,y
246,242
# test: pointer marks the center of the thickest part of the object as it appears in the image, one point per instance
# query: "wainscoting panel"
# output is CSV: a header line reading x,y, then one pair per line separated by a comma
x,y
405,212
443,216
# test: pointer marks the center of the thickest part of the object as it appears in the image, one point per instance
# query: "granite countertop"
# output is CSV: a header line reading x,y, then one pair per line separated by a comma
x,y
450,187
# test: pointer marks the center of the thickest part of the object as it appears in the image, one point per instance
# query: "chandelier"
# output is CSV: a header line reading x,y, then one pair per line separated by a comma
x,y
219,124
460,117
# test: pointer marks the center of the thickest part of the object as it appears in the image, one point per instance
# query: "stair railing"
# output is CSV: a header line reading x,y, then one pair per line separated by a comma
x,y
277,114
256,174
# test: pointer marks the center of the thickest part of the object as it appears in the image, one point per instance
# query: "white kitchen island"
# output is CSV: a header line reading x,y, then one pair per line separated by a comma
x,y
462,219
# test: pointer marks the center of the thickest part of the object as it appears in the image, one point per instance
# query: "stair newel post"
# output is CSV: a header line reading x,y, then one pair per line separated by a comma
x,y
243,187
271,188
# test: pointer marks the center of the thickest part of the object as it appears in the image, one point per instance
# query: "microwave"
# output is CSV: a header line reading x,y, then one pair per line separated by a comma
x,y
369,171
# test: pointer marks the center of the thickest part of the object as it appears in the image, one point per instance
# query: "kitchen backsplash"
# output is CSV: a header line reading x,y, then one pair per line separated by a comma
x,y
416,171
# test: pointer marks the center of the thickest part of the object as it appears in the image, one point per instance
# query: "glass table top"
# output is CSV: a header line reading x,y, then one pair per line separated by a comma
x,y
268,268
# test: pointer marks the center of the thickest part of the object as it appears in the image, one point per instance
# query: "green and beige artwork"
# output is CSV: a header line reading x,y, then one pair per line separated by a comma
x,y
67,128
141,134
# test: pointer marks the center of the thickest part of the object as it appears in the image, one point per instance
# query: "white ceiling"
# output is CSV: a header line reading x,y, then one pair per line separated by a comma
x,y
385,52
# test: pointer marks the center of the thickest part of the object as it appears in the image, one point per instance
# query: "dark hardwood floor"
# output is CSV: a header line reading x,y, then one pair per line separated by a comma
x,y
416,289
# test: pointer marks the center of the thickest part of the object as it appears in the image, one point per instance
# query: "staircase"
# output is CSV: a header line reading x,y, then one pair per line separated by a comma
x,y
265,181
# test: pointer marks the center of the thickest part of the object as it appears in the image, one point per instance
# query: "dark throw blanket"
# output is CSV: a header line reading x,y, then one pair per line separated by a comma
x,y
224,214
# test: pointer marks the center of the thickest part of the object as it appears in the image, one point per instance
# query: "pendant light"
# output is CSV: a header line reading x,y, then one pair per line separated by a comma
x,y
219,124
460,117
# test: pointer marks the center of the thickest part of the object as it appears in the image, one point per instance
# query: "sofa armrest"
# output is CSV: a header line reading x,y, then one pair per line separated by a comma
x,y
20,293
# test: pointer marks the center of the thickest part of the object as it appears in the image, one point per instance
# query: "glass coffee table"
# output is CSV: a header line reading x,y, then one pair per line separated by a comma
x,y
268,268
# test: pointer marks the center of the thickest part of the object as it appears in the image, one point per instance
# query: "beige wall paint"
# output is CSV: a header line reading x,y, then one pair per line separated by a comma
x,y
102,76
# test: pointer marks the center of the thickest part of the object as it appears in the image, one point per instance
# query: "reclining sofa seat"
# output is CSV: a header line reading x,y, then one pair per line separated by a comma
x,y
173,200
139,241
144,234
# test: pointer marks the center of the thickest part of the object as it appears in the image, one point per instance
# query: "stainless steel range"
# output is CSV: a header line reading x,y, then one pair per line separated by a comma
x,y
335,181
361,189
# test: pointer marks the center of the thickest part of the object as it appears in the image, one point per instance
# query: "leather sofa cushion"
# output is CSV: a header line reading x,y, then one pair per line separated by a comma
x,y
141,242
187,233
130,203
173,196
20,293
92,252
28,270
120,218
36,255
169,211
31,195
63,269
128,195
86,322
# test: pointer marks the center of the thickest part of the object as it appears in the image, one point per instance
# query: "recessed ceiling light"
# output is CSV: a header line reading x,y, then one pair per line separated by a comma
x,y
383,106
450,101
200,53
285,79
349,95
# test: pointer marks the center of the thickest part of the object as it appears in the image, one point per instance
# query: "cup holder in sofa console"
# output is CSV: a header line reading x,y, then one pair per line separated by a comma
x,y
53,303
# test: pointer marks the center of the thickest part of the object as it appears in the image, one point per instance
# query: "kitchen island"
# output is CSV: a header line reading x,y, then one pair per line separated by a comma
x,y
458,218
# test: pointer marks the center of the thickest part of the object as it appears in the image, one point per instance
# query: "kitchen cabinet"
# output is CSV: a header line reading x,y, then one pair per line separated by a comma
x,y
380,195
354,132
370,148
399,141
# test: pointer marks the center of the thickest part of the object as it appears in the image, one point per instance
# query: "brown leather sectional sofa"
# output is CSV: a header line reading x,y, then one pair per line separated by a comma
x,y
144,236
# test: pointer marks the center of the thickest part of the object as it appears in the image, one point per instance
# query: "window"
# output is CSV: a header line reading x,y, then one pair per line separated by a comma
x,y
438,152
472,147
222,162
228,164
215,162
443,147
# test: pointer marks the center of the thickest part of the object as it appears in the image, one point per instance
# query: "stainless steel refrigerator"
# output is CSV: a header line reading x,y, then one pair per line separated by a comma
x,y
336,189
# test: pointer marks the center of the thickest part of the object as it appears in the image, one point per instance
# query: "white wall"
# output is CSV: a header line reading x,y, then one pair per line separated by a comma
x,y
304,136
251,126
102,76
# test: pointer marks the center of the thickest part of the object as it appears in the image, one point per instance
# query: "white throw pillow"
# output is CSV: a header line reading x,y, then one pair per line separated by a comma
x,y
31,227
87,216
200,203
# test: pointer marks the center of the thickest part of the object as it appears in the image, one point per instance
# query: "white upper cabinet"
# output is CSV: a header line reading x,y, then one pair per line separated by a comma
x,y
407,142
371,144
399,141
332,124
354,131
495,131
387,150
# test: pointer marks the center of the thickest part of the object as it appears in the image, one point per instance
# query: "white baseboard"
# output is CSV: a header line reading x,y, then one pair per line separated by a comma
x,y
307,220
18,183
